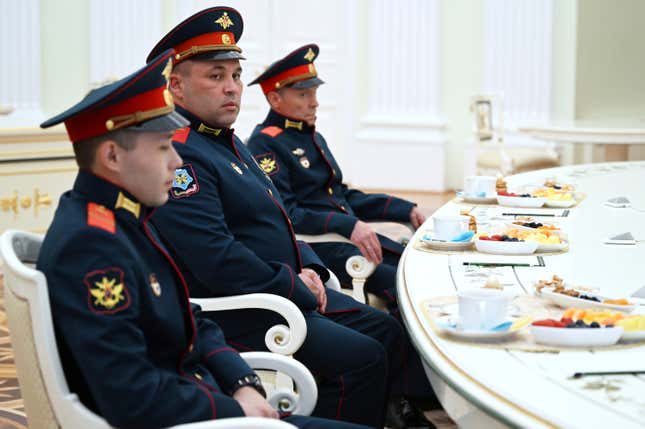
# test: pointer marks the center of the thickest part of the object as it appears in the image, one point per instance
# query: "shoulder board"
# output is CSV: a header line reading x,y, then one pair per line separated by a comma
x,y
101,217
272,131
181,135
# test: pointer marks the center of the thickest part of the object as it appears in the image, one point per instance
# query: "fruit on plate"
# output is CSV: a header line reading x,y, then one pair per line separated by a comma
x,y
620,301
549,183
553,194
513,194
542,237
498,237
602,317
632,323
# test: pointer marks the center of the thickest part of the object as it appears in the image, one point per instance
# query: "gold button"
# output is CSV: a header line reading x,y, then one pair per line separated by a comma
x,y
269,191
190,348
343,207
330,191
197,376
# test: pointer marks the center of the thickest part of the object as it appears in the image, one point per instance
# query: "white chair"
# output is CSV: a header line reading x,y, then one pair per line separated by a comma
x,y
48,401
358,267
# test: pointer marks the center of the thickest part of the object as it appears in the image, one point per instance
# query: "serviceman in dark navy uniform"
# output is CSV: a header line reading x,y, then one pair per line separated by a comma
x,y
132,347
301,165
297,158
226,225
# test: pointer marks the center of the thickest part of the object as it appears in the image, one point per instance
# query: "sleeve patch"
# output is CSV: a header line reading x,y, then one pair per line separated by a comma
x,y
272,131
268,163
101,217
106,291
185,182
181,135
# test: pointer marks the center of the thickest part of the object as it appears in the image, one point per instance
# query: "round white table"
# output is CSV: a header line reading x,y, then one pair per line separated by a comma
x,y
495,387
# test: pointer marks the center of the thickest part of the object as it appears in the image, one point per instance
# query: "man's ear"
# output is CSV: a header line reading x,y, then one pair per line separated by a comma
x,y
274,99
176,86
108,156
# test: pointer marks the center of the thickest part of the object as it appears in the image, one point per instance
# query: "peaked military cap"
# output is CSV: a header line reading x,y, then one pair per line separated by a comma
x,y
296,70
211,34
138,102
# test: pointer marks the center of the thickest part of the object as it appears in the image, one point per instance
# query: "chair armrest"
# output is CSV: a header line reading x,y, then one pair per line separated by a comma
x,y
333,282
279,338
238,422
359,269
282,399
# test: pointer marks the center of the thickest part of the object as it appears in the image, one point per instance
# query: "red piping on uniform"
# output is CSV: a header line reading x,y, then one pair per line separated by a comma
x,y
237,153
389,296
349,310
293,280
387,206
330,182
181,279
239,346
291,231
327,220
223,349
210,397
342,396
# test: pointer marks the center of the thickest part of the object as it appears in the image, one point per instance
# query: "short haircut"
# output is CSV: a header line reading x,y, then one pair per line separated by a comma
x,y
183,68
85,150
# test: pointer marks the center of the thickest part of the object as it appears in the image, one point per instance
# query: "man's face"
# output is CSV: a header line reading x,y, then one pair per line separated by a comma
x,y
148,169
211,90
300,104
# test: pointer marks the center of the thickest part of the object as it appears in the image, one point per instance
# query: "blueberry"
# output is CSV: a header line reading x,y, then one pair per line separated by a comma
x,y
609,326
537,225
504,237
595,325
580,323
571,325
557,187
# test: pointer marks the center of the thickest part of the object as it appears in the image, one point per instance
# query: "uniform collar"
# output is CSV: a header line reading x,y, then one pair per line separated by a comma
x,y
281,121
202,127
113,197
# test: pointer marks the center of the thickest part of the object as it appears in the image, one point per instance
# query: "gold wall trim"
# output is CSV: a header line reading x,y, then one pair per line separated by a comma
x,y
36,152
39,171
32,135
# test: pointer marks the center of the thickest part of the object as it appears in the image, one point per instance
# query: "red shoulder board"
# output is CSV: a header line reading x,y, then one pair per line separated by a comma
x,y
272,131
181,135
101,217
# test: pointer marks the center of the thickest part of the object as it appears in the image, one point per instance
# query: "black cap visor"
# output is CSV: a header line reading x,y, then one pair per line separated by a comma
x,y
168,122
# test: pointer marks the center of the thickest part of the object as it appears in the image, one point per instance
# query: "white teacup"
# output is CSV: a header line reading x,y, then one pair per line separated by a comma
x,y
476,185
481,309
449,227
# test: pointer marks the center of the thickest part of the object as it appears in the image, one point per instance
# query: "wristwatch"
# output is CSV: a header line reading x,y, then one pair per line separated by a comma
x,y
250,380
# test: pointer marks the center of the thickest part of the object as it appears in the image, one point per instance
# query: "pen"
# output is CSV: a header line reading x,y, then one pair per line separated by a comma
x,y
582,374
496,264
529,214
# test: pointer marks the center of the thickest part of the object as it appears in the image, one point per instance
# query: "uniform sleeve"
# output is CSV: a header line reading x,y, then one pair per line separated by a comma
x,y
195,229
305,221
311,260
110,349
224,362
378,206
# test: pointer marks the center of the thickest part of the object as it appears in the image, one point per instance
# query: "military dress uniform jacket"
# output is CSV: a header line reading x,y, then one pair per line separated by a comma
x,y
302,167
227,228
132,347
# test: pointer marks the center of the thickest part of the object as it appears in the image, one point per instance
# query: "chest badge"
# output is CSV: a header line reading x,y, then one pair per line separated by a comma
x,y
236,168
304,161
154,284
298,151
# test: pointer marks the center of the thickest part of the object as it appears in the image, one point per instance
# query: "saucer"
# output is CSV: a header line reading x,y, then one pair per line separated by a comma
x,y
428,241
474,199
450,325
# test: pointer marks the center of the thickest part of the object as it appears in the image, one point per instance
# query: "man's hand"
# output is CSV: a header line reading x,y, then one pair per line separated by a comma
x,y
416,217
313,282
253,404
364,237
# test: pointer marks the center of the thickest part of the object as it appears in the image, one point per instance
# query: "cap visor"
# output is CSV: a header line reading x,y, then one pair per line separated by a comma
x,y
169,122
218,56
307,83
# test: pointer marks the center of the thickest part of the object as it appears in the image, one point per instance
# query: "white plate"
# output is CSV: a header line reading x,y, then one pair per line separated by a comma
x,y
453,310
560,204
566,301
553,247
520,201
449,325
576,337
488,199
633,336
506,247
446,245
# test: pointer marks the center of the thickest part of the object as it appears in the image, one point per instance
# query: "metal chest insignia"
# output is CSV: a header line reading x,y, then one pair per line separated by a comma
x,y
106,291
236,168
304,161
154,284
298,151
185,182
